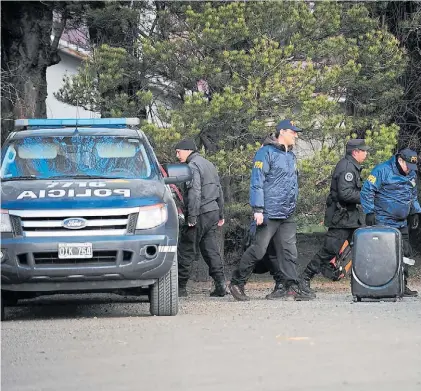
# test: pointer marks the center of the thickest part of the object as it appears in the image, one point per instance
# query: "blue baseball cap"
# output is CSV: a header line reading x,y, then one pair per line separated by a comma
x,y
410,157
287,124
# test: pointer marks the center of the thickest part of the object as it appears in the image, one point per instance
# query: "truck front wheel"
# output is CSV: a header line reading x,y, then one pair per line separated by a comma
x,y
164,293
2,308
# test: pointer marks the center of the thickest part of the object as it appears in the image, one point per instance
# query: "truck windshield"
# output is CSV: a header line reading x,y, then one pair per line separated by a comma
x,y
38,157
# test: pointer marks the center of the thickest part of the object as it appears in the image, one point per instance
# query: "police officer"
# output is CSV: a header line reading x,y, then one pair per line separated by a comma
x,y
204,212
273,198
343,212
389,197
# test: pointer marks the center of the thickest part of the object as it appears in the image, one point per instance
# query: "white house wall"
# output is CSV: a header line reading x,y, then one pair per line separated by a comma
x,y
56,109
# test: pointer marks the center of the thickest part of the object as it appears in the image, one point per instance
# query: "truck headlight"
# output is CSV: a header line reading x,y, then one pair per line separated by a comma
x,y
5,223
151,216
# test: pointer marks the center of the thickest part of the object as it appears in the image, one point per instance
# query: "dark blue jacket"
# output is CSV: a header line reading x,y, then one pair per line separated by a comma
x,y
274,182
391,195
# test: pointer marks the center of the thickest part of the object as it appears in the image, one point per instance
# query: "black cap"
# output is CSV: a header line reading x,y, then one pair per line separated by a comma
x,y
356,143
287,124
186,145
410,157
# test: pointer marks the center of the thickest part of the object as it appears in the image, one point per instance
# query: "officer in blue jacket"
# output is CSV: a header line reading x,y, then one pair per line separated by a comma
x,y
273,198
389,197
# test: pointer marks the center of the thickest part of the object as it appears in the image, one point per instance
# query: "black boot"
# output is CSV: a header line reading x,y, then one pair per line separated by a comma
x,y
409,293
304,284
238,293
279,292
220,289
296,293
182,291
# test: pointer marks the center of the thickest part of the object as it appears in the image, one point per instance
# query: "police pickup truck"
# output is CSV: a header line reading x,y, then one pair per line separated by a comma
x,y
85,208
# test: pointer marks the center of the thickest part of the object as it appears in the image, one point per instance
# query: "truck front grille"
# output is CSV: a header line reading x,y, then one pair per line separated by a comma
x,y
98,222
51,258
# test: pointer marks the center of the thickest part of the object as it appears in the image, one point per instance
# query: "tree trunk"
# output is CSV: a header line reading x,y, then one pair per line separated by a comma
x,y
25,55
402,21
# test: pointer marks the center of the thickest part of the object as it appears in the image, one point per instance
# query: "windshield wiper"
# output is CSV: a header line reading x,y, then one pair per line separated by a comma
x,y
20,178
78,176
81,176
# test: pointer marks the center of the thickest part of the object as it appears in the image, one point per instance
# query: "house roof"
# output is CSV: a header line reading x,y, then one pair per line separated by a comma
x,y
76,53
75,43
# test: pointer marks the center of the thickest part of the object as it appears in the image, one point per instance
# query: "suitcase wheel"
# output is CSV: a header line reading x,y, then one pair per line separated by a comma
x,y
356,299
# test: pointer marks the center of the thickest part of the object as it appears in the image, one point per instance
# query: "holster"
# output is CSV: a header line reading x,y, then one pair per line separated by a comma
x,y
339,214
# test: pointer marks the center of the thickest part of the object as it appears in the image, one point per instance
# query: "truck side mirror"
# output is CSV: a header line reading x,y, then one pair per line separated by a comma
x,y
177,173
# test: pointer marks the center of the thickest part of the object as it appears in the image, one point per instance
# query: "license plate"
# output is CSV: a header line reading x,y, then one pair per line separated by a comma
x,y
74,250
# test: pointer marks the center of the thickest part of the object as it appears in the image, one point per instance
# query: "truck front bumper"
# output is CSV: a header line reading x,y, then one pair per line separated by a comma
x,y
117,263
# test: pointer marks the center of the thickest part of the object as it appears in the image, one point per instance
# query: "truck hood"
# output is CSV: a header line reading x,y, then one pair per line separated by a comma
x,y
80,194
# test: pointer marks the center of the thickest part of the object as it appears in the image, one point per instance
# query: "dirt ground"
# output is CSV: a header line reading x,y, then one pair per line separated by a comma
x,y
111,343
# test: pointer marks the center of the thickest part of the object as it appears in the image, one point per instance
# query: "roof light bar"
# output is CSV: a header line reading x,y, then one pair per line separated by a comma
x,y
76,121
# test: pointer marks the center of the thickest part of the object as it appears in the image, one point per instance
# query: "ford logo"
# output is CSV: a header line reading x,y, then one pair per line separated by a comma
x,y
74,223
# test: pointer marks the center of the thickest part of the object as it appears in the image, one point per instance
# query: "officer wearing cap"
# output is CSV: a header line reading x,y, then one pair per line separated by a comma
x,y
204,210
389,197
273,198
343,212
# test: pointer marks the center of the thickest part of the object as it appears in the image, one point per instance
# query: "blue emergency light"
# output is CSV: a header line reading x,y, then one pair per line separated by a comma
x,y
50,122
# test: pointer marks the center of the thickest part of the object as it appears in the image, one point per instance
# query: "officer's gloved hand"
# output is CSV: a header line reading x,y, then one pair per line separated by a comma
x,y
413,221
370,219
192,220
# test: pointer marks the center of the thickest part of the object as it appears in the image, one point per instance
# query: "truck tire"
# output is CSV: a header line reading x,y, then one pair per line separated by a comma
x,y
164,293
2,308
9,298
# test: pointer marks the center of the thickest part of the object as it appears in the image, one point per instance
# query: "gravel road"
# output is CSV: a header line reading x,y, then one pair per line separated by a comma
x,y
110,343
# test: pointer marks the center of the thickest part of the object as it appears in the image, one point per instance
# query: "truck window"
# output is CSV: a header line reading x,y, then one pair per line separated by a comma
x,y
44,157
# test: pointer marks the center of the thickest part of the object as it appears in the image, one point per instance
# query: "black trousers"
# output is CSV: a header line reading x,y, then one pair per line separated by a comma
x,y
283,233
202,236
334,239
269,263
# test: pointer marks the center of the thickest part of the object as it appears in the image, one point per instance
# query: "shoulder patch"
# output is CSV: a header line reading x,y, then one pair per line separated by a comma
x,y
413,183
349,176
258,164
372,179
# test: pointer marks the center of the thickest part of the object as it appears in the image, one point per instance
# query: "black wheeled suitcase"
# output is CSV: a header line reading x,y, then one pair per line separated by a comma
x,y
377,264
